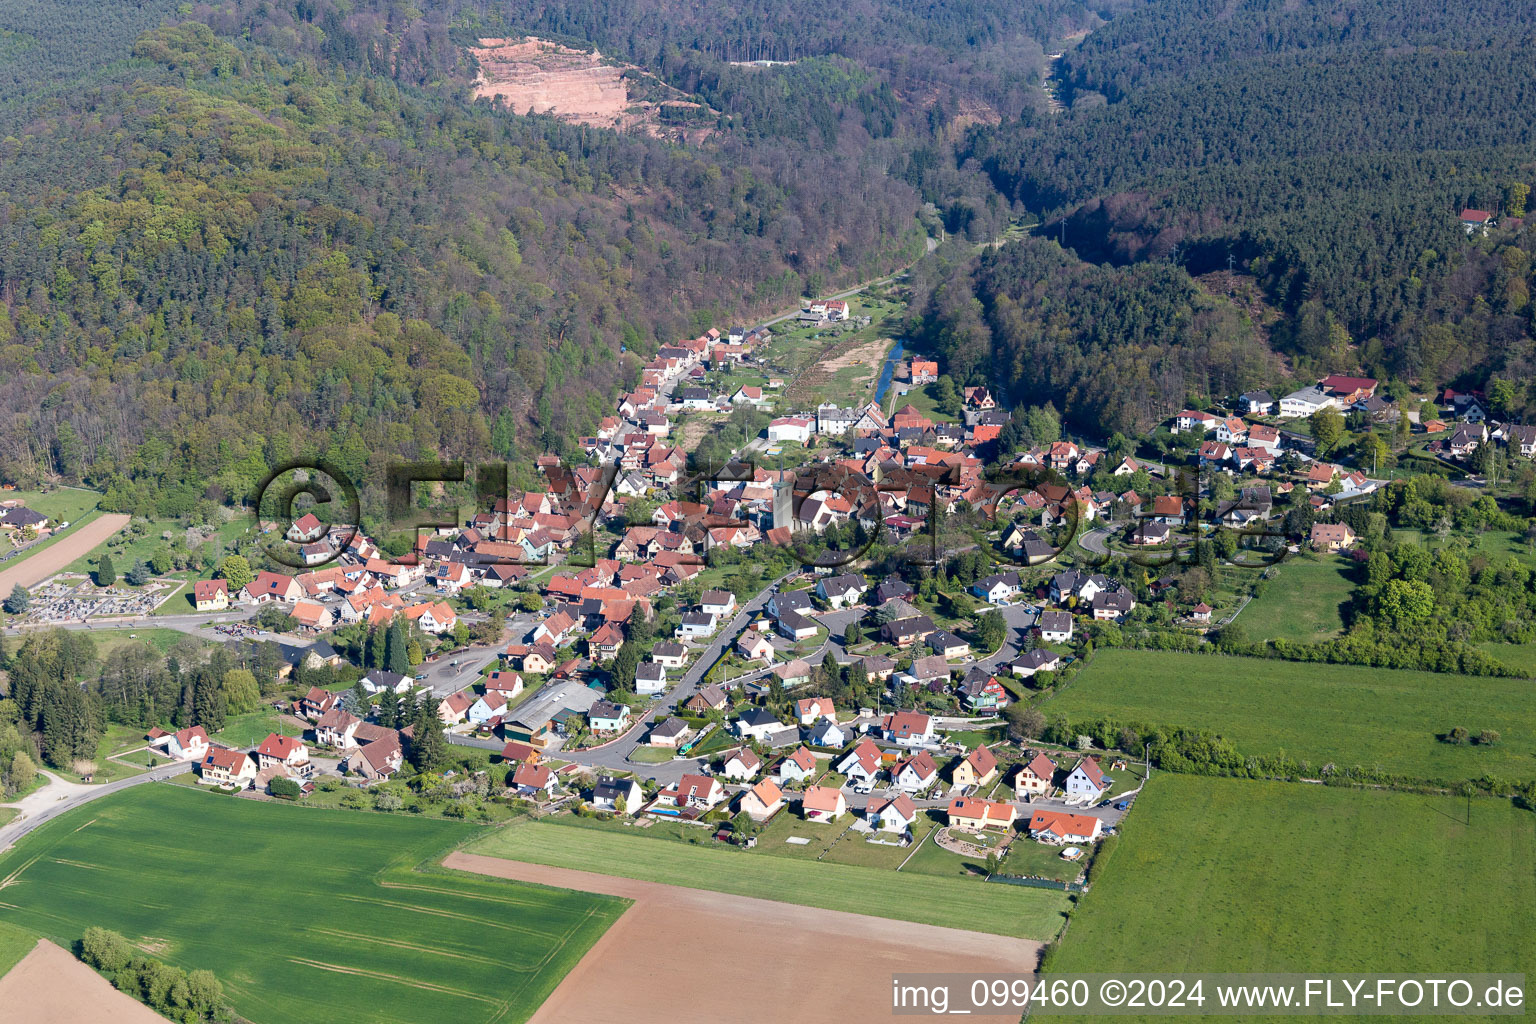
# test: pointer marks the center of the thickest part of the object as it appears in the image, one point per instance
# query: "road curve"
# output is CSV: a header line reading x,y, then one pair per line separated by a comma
x,y
30,820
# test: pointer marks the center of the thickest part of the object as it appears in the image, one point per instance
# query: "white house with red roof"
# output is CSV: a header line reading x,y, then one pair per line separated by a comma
x,y
862,763
823,803
812,709
268,587
798,766
287,751
891,814
1086,782
909,729
1061,827
189,744
694,792
916,773
306,529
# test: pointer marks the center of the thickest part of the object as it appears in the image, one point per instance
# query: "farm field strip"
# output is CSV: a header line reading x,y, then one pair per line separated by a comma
x,y
298,910
1219,875
946,902
1346,714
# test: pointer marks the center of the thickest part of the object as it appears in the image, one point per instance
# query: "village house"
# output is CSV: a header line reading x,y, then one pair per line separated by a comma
x,y
189,744
650,679
998,588
210,595
1038,660
618,796
606,717
452,709
1331,536
974,813
1086,782
812,709
1055,627
220,767
827,734
1060,827
823,803
861,764
754,646
762,801
916,773
981,690
797,767
270,587
671,733
669,655
909,729
692,792
534,780
1036,778
946,645
840,591
905,632
378,759
892,814
756,724
742,764
287,751
977,768
337,729
710,698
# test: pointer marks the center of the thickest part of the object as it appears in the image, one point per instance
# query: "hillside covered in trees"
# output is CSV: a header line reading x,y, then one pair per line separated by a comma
x,y
1325,149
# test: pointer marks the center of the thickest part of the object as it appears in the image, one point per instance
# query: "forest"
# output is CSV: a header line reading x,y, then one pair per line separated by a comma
x,y
1325,152
216,254
239,233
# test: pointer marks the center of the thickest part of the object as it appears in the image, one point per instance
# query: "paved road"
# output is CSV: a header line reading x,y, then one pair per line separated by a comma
x,y
444,678
1094,540
40,807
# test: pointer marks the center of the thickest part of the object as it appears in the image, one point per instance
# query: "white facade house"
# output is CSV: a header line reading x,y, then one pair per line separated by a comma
x,y
1086,782
1306,402
791,428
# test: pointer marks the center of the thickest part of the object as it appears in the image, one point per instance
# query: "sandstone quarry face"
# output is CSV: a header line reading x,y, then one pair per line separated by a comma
x,y
536,76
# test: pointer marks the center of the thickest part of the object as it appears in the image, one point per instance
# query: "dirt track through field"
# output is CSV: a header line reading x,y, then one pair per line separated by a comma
x,y
50,986
680,956
80,541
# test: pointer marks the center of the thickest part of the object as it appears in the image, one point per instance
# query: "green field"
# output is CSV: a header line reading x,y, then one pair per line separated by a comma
x,y
303,914
950,902
1341,713
1227,875
1302,603
62,504
15,943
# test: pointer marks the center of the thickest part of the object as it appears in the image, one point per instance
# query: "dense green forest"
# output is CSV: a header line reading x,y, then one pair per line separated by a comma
x,y
237,233
217,253
1113,348
1324,149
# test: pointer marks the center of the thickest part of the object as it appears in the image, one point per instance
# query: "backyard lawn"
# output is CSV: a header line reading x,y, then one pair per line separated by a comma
x,y
1303,602
62,504
1229,875
303,914
1346,714
953,903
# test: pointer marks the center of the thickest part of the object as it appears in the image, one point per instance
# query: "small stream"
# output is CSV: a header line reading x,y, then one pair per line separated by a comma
x,y
888,371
